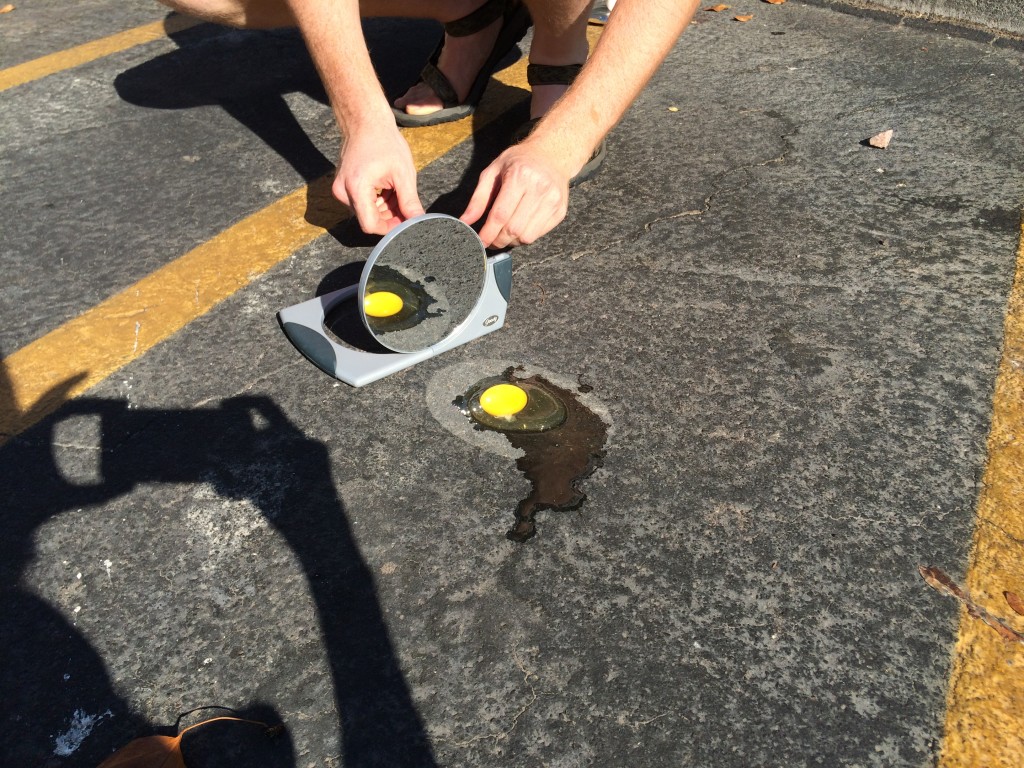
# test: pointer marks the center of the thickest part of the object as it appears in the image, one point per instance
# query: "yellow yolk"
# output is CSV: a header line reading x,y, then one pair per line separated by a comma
x,y
382,304
503,400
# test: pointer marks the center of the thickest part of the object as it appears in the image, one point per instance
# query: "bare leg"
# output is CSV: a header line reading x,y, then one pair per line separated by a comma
x,y
460,60
270,14
249,14
559,37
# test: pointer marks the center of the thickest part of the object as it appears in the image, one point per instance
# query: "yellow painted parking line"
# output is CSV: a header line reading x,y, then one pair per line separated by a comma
x,y
96,49
81,353
985,706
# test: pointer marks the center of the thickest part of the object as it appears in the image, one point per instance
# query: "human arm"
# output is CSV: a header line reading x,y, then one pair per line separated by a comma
x,y
376,177
527,186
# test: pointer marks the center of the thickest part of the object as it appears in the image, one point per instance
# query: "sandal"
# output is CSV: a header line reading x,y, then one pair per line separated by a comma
x,y
550,74
515,22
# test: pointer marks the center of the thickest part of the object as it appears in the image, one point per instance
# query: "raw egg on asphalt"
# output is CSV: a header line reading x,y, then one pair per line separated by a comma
x,y
503,400
523,406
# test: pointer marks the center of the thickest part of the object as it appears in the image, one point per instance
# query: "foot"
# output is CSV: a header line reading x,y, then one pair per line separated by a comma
x,y
461,60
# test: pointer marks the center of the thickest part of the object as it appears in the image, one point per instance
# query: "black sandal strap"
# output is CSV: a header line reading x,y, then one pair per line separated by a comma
x,y
550,74
489,12
440,85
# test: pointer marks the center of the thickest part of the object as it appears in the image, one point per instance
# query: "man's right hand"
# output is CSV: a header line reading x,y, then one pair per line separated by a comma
x,y
376,178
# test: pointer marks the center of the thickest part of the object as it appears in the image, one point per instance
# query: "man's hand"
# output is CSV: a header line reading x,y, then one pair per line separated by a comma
x,y
528,195
377,179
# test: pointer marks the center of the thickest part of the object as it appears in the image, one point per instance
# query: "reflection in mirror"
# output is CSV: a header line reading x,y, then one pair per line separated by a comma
x,y
423,282
343,324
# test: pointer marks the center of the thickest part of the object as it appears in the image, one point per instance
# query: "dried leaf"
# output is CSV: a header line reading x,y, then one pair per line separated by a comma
x,y
673,109
881,140
1014,601
718,8
1002,629
775,2
938,580
744,17
148,752
7,8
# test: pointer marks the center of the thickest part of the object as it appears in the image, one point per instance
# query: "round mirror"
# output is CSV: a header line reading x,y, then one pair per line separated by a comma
x,y
421,282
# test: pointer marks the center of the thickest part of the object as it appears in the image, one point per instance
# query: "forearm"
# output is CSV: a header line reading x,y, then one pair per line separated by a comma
x,y
638,37
376,176
334,35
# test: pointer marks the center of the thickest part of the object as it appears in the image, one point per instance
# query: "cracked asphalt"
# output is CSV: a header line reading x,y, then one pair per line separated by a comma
x,y
792,337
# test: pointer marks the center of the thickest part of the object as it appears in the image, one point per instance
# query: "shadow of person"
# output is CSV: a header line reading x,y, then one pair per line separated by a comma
x,y
248,73
237,446
47,663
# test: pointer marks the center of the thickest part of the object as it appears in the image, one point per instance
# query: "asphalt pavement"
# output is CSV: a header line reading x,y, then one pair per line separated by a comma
x,y
792,337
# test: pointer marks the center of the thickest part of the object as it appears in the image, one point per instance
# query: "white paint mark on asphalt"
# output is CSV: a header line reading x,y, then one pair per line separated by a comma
x,y
78,731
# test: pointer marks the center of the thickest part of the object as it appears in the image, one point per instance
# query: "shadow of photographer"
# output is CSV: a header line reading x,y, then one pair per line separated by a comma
x,y
241,448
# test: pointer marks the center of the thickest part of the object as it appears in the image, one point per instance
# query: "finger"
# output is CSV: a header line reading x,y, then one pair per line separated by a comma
x,y
522,224
340,193
504,205
390,214
364,203
556,218
484,194
553,212
407,200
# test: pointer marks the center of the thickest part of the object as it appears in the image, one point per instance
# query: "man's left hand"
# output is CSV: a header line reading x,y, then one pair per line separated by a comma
x,y
527,193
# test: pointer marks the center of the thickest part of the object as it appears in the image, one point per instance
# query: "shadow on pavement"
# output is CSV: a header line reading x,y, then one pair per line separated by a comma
x,y
249,73
246,73
235,448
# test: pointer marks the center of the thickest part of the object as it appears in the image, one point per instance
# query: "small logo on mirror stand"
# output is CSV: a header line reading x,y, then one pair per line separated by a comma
x,y
490,321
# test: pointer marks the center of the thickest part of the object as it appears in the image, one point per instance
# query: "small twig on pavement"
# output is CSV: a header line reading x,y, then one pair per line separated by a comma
x,y
940,582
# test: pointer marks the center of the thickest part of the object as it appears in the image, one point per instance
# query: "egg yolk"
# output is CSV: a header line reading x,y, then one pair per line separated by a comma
x,y
382,304
503,400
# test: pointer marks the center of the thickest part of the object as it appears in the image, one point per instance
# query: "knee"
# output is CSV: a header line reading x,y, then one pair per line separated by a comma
x,y
249,14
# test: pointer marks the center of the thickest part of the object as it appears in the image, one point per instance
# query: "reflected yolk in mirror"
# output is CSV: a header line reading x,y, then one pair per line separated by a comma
x,y
503,400
382,304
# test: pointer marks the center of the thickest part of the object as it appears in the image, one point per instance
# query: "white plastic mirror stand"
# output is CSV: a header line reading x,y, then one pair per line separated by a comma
x,y
303,324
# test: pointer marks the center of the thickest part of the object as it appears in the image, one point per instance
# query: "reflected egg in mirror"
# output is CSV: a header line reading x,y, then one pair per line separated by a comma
x,y
382,304
392,302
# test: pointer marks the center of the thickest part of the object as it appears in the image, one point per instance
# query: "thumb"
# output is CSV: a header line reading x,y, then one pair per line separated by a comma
x,y
409,204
